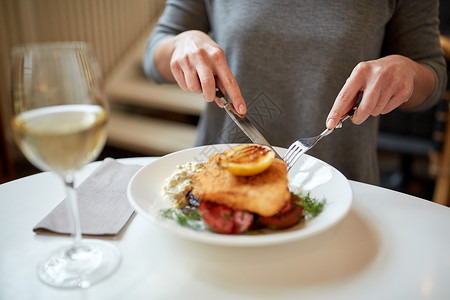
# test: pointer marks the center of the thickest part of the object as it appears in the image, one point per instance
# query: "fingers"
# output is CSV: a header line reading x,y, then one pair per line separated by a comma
x,y
217,73
220,104
345,100
208,83
227,82
178,74
386,83
198,64
186,74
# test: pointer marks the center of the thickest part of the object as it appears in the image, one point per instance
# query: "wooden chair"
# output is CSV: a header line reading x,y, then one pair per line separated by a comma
x,y
441,159
414,136
6,165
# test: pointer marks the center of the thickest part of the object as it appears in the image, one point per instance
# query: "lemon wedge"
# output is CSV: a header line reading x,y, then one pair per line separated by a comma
x,y
247,159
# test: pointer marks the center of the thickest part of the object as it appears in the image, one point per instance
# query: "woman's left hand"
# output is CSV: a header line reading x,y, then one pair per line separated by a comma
x,y
386,83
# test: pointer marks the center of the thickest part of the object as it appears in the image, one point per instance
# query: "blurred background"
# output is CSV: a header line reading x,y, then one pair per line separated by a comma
x,y
149,119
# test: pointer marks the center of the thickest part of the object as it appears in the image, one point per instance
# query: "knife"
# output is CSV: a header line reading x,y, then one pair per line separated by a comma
x,y
244,124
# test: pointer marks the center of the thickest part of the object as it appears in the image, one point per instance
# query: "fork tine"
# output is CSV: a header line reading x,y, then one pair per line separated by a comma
x,y
295,157
302,145
293,154
291,151
288,151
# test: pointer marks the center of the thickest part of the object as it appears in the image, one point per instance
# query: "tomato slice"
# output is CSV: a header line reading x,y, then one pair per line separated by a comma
x,y
288,216
223,219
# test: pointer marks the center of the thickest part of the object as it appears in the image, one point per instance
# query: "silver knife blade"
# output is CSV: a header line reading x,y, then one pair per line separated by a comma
x,y
243,123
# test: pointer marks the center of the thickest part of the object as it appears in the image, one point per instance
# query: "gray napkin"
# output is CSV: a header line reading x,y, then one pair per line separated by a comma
x,y
102,202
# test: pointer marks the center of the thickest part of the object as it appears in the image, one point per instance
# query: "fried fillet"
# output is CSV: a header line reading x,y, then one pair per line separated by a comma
x,y
265,193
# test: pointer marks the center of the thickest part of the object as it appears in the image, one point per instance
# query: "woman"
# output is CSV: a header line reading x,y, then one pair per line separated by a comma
x,y
300,65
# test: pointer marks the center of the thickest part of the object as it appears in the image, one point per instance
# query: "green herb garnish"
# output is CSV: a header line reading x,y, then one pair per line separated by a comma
x,y
227,216
312,207
186,217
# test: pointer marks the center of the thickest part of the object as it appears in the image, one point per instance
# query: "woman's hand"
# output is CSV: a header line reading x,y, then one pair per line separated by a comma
x,y
386,83
198,64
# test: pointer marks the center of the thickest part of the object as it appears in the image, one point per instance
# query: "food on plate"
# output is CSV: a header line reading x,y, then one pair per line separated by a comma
x,y
264,193
226,201
179,183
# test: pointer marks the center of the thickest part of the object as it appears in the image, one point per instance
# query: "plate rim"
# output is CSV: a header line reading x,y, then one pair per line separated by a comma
x,y
233,240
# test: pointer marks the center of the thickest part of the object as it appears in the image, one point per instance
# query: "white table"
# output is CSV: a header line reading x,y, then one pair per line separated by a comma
x,y
390,246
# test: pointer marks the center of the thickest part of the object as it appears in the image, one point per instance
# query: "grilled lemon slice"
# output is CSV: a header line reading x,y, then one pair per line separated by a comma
x,y
247,159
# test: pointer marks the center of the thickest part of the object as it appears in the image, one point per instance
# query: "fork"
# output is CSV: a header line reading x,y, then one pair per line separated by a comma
x,y
299,147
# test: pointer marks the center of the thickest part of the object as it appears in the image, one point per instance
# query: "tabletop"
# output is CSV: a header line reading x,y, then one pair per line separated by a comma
x,y
389,246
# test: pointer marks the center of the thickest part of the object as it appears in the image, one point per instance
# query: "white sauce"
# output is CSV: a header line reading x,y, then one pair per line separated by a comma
x,y
180,182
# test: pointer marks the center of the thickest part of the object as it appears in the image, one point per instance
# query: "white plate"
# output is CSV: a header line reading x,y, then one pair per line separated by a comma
x,y
324,181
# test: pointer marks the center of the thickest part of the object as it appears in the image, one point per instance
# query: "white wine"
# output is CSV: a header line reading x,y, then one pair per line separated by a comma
x,y
61,138
59,123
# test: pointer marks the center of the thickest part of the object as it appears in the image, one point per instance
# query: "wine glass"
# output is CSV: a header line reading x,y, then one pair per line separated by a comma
x,y
59,123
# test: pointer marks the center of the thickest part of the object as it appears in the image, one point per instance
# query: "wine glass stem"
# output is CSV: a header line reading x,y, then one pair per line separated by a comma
x,y
72,209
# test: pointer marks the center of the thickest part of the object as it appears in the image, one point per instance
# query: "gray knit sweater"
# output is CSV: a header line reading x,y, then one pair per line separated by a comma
x,y
291,58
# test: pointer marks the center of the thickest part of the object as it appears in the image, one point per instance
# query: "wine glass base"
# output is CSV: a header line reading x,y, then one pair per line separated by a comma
x,y
80,266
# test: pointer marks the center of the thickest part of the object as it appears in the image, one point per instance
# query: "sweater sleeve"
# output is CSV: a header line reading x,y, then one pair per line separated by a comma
x,y
413,31
178,16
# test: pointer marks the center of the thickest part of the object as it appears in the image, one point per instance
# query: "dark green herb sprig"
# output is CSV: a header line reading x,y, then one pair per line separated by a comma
x,y
312,207
185,216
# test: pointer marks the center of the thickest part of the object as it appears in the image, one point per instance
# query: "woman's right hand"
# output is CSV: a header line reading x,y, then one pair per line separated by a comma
x,y
198,64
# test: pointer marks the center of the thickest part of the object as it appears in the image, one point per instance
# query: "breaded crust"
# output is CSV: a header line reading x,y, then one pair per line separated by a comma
x,y
265,193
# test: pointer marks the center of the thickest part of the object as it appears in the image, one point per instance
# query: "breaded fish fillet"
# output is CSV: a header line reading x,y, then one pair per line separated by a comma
x,y
265,193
